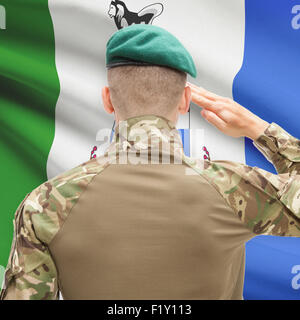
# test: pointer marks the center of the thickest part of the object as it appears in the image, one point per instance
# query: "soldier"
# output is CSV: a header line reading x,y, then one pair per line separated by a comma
x,y
144,221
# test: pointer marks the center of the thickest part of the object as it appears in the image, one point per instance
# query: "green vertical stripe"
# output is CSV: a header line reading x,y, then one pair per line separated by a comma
x,y
29,89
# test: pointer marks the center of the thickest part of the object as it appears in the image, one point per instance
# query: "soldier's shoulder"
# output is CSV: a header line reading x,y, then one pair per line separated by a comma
x,y
224,175
72,181
212,167
226,167
49,205
79,175
239,178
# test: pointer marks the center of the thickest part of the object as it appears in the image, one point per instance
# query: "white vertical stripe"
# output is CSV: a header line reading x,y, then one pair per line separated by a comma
x,y
81,30
213,31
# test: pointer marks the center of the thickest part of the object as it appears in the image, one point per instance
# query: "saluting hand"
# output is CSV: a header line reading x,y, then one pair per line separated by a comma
x,y
227,115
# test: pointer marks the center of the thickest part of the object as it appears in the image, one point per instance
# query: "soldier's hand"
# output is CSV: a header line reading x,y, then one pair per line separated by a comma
x,y
227,115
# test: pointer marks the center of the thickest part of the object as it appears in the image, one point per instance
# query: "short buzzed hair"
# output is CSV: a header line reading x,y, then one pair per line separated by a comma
x,y
145,90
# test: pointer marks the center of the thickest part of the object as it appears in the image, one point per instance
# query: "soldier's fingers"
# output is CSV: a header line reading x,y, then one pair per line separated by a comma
x,y
206,103
212,118
201,92
205,93
201,101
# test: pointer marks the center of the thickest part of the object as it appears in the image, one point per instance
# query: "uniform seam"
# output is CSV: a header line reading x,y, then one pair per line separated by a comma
x,y
203,176
234,210
59,283
222,196
68,214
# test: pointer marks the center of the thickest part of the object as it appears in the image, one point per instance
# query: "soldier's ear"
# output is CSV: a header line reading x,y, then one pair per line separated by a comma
x,y
108,106
184,105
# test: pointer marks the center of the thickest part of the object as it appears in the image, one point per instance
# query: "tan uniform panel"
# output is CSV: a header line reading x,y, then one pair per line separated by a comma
x,y
150,232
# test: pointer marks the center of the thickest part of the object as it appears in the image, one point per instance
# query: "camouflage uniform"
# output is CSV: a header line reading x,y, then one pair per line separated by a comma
x,y
263,202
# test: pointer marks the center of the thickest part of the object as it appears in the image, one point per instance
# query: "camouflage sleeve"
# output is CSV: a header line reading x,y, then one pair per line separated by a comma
x,y
31,273
266,203
280,148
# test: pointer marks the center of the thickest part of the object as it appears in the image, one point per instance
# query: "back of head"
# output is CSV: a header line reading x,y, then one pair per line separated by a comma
x,y
144,90
147,71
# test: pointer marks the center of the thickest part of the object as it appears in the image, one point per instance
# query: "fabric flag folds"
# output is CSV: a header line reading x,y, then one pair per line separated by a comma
x,y
28,94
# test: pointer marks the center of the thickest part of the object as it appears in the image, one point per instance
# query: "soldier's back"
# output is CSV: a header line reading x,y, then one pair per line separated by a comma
x,y
149,232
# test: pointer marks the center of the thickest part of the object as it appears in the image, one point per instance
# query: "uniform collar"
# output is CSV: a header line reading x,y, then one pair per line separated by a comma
x,y
147,132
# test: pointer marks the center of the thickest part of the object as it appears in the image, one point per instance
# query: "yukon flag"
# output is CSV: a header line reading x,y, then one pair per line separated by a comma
x,y
52,69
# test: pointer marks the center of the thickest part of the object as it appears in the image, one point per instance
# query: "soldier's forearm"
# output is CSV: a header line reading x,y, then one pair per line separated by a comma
x,y
280,148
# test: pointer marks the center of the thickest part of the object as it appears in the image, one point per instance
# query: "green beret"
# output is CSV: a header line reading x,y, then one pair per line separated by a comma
x,y
143,44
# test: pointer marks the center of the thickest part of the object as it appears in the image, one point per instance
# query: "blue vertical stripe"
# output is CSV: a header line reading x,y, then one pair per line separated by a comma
x,y
185,138
268,84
